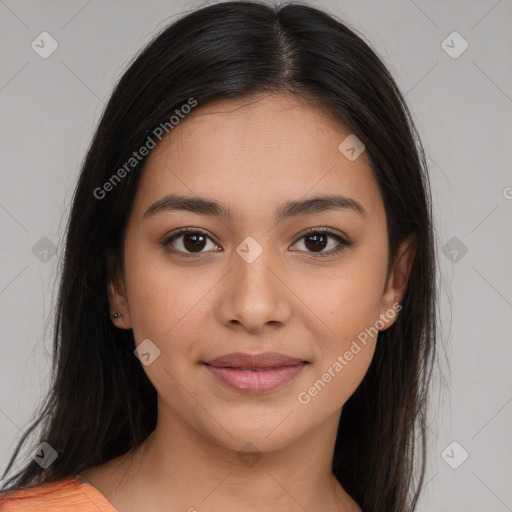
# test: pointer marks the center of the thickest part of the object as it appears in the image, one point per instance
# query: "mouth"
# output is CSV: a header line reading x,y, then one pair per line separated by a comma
x,y
255,373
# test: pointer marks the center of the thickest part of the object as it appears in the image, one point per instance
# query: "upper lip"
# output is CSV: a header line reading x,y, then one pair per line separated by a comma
x,y
262,360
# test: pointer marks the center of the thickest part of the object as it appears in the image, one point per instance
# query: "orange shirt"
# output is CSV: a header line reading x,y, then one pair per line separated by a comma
x,y
69,494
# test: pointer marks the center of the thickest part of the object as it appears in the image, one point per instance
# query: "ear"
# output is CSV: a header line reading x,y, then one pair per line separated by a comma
x,y
396,284
117,298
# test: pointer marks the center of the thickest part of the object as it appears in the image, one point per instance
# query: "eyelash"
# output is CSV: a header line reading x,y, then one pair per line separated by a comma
x,y
342,242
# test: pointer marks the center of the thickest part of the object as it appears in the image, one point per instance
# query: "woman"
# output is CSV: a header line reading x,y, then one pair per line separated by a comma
x,y
247,310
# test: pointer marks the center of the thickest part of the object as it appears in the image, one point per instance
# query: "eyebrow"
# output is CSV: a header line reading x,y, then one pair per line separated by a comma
x,y
293,208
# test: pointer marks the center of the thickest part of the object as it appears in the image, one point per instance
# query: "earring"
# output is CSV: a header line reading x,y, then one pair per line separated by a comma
x,y
116,315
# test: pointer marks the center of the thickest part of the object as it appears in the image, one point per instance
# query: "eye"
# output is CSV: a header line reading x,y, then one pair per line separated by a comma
x,y
317,240
192,242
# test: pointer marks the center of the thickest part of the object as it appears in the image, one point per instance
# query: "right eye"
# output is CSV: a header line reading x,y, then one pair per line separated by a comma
x,y
192,240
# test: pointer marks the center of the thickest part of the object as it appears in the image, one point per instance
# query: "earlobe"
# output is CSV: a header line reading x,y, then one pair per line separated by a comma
x,y
119,310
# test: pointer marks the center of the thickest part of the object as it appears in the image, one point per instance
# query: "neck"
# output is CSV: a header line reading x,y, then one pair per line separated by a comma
x,y
180,466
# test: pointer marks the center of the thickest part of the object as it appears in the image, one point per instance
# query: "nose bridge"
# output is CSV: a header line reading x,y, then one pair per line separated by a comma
x,y
253,295
252,270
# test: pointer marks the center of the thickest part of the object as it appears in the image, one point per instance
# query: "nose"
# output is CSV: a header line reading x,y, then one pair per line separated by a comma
x,y
255,295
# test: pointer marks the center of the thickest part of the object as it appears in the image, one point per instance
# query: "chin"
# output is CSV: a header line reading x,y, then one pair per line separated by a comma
x,y
258,436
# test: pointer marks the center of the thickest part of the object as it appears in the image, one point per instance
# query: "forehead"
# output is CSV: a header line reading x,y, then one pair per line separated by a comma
x,y
264,148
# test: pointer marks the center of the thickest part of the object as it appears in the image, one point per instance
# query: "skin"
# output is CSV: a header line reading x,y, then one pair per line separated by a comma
x,y
252,155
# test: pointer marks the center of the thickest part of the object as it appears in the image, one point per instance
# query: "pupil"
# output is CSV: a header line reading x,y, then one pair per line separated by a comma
x,y
316,245
194,245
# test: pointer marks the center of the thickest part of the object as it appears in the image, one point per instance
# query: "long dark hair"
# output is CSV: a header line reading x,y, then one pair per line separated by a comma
x,y
101,404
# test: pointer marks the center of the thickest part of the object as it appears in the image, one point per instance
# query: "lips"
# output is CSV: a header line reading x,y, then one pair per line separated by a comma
x,y
255,373
265,360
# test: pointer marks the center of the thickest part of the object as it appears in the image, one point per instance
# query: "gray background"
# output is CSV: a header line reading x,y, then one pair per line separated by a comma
x,y
462,106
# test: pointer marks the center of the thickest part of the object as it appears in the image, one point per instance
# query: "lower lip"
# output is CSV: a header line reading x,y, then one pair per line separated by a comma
x,y
256,381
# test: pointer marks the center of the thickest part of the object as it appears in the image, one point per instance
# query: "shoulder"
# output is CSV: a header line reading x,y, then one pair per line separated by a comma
x,y
64,495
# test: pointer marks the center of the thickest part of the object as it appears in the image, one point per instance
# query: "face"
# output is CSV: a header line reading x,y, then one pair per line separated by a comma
x,y
256,281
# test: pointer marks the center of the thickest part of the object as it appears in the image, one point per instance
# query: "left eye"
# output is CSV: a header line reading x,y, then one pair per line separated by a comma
x,y
193,242
317,239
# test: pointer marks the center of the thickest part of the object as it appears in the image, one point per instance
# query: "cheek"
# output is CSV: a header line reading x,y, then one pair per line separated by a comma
x,y
350,299
160,297
336,380
349,303
169,307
